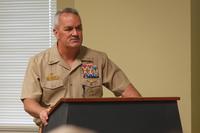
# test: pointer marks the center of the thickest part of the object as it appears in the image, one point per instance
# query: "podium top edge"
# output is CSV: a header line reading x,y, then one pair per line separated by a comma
x,y
113,100
116,99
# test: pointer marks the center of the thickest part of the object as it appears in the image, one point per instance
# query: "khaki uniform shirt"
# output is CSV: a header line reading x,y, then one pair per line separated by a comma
x,y
48,78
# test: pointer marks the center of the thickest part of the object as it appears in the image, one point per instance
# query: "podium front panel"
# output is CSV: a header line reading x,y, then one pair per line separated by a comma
x,y
119,117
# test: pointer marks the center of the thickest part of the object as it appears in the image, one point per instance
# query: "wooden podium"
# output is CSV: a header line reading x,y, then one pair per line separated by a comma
x,y
118,115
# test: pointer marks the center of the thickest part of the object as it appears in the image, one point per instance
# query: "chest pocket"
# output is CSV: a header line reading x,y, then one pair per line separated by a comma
x,y
52,91
92,89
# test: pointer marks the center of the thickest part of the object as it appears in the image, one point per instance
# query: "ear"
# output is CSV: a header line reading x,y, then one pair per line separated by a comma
x,y
55,32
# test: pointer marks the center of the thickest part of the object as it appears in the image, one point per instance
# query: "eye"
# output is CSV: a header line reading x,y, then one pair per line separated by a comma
x,y
79,28
68,29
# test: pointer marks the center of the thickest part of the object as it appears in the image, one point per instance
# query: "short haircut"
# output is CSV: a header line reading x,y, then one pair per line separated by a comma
x,y
65,10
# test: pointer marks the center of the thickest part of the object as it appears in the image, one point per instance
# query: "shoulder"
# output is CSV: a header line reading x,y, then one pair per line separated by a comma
x,y
42,56
89,52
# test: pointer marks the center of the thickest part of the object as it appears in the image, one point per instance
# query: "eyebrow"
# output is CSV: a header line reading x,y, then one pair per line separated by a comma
x,y
73,26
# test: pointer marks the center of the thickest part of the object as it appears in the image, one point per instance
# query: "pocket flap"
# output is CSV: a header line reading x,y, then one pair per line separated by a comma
x,y
52,84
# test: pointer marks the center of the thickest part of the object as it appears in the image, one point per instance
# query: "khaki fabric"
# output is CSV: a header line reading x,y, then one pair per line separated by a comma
x,y
48,78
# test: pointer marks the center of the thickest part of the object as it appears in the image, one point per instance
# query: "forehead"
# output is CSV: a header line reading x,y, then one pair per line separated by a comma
x,y
69,19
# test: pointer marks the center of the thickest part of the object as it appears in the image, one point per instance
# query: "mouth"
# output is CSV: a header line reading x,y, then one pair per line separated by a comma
x,y
75,40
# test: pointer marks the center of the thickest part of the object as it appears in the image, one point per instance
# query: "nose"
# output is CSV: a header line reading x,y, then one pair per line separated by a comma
x,y
74,32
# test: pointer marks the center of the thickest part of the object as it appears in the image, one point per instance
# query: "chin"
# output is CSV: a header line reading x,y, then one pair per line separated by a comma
x,y
75,45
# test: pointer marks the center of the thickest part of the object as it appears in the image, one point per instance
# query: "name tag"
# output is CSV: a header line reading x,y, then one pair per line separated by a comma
x,y
51,77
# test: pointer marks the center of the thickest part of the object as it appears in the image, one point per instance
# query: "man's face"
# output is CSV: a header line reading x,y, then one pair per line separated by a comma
x,y
69,30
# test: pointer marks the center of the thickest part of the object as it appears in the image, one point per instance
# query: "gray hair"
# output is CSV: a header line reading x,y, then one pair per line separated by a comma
x,y
65,10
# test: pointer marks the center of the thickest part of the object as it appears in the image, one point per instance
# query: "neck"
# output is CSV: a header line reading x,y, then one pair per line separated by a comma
x,y
68,54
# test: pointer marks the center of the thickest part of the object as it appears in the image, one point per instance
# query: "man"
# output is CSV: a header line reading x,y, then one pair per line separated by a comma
x,y
69,70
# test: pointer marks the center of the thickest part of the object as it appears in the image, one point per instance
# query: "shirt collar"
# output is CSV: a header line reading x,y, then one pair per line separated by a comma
x,y
82,56
54,55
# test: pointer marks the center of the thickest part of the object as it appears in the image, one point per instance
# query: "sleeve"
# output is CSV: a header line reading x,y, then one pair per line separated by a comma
x,y
31,85
113,77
